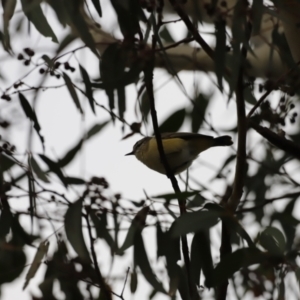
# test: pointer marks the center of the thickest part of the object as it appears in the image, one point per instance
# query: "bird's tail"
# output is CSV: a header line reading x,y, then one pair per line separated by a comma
x,y
224,140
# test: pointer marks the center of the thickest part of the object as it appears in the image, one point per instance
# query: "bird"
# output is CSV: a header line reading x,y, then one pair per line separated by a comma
x,y
180,148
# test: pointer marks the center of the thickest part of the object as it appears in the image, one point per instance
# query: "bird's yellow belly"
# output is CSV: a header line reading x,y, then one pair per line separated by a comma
x,y
178,160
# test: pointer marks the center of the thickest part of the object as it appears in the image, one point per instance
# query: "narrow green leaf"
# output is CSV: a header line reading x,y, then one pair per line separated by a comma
x,y
249,96
31,115
220,51
5,162
5,219
160,241
234,225
183,286
37,261
238,37
145,106
32,196
54,167
72,9
121,101
60,10
258,10
136,226
23,236
97,6
171,196
148,28
197,201
288,222
133,282
73,227
273,240
141,260
72,91
13,259
129,14
37,170
152,294
74,180
88,87
167,245
8,12
241,258
28,111
297,274
5,40
35,15
196,258
165,35
173,122
195,221
48,60
69,156
66,41
100,223
112,68
226,162
200,102
281,286
201,258
115,74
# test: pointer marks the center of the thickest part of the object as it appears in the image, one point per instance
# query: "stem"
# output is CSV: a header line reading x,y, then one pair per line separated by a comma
x,y
240,170
148,71
101,280
193,30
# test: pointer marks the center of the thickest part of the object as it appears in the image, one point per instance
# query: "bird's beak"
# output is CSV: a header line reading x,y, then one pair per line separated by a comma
x,y
130,153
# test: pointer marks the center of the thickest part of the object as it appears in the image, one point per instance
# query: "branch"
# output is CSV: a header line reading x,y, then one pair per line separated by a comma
x,y
270,89
240,170
193,30
148,71
267,201
102,283
279,141
289,14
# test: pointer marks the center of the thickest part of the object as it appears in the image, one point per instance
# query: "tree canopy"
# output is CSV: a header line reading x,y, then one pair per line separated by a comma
x,y
230,233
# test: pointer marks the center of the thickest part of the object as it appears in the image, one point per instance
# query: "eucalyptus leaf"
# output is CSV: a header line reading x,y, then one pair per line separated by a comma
x,y
35,15
73,228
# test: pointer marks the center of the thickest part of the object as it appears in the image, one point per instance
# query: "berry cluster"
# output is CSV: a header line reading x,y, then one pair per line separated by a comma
x,y
29,53
7,148
283,111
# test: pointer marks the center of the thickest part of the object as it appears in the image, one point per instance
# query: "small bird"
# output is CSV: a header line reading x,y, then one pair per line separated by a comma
x,y
180,148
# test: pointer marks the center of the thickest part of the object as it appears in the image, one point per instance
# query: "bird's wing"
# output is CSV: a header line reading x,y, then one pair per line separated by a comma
x,y
184,135
173,145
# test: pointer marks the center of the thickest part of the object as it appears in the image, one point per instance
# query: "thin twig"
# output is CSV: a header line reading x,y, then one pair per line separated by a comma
x,y
267,93
177,7
267,201
148,71
121,296
101,280
242,134
174,45
240,170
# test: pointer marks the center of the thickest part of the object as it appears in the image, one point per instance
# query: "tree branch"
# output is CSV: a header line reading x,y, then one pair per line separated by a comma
x,y
193,30
148,71
240,170
102,283
279,141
